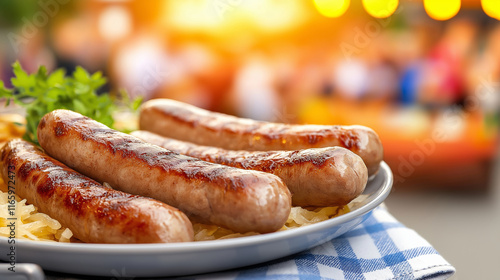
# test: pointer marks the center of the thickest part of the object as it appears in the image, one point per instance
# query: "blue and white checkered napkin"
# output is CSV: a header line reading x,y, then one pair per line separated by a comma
x,y
379,248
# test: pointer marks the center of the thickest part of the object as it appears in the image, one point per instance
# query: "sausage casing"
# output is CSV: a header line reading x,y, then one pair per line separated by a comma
x,y
315,177
241,200
93,213
188,123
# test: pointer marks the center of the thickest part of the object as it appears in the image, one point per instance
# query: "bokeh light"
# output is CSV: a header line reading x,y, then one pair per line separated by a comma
x,y
442,9
491,8
332,8
114,23
232,17
380,8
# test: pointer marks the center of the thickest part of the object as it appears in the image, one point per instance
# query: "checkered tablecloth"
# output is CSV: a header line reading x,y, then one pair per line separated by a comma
x,y
379,248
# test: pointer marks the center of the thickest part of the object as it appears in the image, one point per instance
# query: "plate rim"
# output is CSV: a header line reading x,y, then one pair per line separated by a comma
x,y
196,246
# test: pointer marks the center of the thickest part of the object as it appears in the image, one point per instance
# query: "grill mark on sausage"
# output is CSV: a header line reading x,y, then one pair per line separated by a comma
x,y
261,130
52,178
93,212
60,130
45,188
42,123
349,140
126,146
291,166
238,199
24,171
269,161
177,115
118,208
262,161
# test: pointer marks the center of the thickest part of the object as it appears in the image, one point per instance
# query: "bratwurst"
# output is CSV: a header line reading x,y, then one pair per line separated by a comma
x,y
241,200
315,177
189,123
93,213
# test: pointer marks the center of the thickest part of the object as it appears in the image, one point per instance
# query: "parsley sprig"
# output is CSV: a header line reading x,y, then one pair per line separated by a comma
x,y
41,93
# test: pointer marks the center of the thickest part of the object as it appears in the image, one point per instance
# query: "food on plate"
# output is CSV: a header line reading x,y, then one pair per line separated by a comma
x,y
11,126
93,212
316,177
298,217
30,224
189,123
240,200
40,93
227,200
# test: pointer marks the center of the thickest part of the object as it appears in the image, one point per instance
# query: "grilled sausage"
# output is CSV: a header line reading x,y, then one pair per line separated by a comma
x,y
188,123
93,213
241,200
315,177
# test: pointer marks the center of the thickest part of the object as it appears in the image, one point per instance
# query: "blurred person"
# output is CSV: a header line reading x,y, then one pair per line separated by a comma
x,y
285,67
409,86
408,53
36,53
484,81
141,64
23,27
285,72
181,83
443,80
351,78
311,84
76,41
198,75
212,71
383,81
254,90
491,58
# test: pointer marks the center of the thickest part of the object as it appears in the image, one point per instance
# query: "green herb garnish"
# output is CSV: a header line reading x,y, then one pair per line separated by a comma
x,y
41,93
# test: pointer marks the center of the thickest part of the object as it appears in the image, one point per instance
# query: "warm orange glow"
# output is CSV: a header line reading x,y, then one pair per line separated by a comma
x,y
332,8
491,8
380,8
114,23
224,16
442,9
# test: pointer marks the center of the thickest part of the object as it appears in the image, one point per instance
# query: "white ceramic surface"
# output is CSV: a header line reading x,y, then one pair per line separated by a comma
x,y
149,260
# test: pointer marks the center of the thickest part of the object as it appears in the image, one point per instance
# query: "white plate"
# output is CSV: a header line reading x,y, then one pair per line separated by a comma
x,y
149,260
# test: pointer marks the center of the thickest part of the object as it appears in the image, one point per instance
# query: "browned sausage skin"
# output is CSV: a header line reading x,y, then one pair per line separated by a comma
x,y
240,200
93,213
188,123
315,177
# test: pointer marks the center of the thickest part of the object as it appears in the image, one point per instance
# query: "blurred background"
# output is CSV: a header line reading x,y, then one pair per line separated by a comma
x,y
424,74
